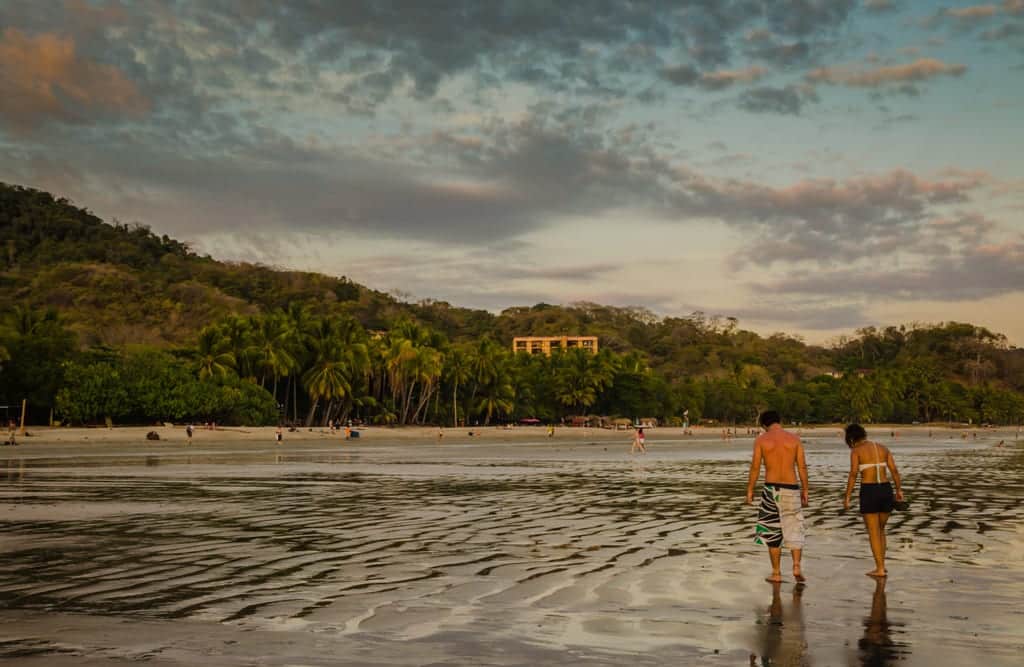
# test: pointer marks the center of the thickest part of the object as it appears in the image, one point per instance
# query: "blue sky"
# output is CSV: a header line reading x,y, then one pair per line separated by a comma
x,y
806,166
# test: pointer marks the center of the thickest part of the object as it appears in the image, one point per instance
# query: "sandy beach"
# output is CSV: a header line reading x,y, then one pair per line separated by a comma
x,y
505,548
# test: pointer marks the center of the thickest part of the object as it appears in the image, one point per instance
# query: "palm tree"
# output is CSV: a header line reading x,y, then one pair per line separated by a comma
x,y
342,361
428,368
458,371
271,348
412,365
237,332
302,327
579,376
327,379
497,397
213,354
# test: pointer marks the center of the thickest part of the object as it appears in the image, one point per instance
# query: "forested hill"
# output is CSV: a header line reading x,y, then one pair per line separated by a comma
x,y
119,284
75,288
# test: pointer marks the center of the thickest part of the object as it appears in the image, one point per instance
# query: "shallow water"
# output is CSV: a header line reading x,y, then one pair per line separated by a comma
x,y
495,553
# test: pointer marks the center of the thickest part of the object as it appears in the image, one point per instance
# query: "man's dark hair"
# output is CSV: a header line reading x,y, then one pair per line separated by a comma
x,y
769,417
854,434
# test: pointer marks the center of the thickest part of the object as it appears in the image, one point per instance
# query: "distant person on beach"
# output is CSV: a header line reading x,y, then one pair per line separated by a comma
x,y
780,516
551,430
874,463
348,431
280,435
12,431
638,442
188,433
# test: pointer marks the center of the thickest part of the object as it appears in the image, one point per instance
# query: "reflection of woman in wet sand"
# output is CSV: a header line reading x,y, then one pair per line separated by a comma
x,y
872,461
874,644
877,647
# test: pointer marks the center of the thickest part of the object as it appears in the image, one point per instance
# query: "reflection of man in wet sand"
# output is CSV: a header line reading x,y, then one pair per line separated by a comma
x,y
780,517
782,636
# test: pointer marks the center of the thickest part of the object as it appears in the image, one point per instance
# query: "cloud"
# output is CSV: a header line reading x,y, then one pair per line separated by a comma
x,y
44,79
681,75
766,99
1007,31
823,222
725,78
879,6
973,13
688,75
762,45
919,70
819,317
977,272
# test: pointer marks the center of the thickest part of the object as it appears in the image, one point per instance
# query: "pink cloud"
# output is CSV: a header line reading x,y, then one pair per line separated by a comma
x,y
725,78
973,13
919,70
44,78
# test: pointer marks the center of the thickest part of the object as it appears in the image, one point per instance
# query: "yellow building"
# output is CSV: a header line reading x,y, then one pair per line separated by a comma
x,y
544,344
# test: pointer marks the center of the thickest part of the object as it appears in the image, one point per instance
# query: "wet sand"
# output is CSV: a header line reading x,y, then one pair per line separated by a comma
x,y
503,549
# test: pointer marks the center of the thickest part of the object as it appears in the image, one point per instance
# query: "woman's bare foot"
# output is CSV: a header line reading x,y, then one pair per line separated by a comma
x,y
877,574
798,574
776,578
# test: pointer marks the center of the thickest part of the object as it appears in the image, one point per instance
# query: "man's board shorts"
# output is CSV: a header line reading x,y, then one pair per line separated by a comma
x,y
780,517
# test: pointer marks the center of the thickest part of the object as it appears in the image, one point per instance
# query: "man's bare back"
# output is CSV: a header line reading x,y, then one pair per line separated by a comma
x,y
782,454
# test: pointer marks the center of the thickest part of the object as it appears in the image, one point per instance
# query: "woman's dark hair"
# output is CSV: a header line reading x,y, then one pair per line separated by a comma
x,y
769,417
854,434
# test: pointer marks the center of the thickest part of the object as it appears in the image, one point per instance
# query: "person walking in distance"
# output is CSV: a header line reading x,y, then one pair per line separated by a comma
x,y
875,465
780,516
188,432
639,442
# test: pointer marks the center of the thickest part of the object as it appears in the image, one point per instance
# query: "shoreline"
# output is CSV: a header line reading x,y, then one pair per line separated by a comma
x,y
175,435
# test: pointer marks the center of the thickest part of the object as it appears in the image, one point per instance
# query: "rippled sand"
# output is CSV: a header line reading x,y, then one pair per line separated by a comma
x,y
483,552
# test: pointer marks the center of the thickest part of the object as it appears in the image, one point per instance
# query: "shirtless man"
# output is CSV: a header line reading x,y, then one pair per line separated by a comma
x,y
780,517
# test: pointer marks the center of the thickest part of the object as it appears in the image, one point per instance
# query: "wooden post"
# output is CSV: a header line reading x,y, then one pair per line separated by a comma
x,y
24,404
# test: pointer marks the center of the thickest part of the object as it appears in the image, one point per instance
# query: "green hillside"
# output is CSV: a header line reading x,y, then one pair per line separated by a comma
x,y
112,321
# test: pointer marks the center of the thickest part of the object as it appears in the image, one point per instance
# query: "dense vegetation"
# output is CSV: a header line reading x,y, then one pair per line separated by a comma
x,y
114,322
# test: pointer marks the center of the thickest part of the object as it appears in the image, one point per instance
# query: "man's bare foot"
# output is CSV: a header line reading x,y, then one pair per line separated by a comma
x,y
877,574
776,578
798,575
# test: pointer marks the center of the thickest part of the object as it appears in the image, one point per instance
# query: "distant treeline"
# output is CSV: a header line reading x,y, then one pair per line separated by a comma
x,y
111,321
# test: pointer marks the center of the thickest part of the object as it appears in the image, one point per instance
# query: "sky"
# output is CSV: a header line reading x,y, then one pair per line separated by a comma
x,y
807,166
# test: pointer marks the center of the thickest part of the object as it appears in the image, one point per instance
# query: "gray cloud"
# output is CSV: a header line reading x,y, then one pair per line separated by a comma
x,y
687,75
880,6
971,273
1005,32
766,99
362,53
817,317
763,45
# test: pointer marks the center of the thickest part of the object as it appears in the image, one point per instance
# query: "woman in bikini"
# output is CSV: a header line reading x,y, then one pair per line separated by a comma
x,y
638,442
875,465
